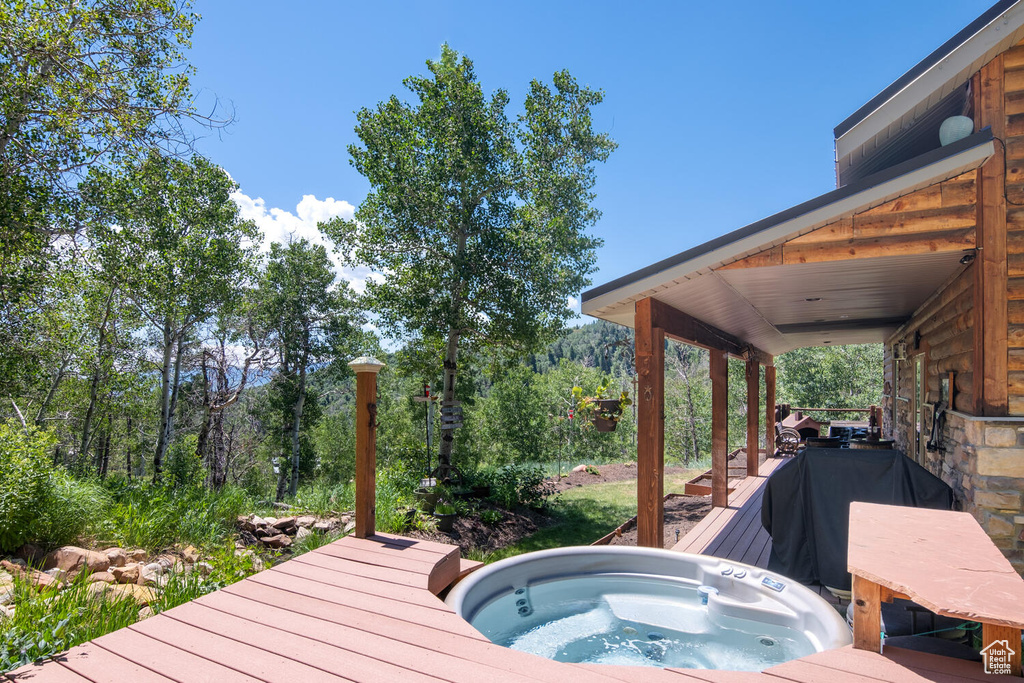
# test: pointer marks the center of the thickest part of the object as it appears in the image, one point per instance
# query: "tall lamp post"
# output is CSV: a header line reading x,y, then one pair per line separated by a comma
x,y
366,369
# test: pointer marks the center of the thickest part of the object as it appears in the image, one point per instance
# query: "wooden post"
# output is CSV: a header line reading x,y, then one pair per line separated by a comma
x,y
753,414
990,633
719,428
867,614
991,310
366,369
650,440
769,409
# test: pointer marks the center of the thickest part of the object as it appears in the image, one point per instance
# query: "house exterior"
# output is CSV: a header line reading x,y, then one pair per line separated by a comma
x,y
919,247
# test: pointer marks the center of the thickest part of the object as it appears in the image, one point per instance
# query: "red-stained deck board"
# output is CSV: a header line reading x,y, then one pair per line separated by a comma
x,y
168,660
896,664
360,584
385,648
348,662
370,557
97,664
258,662
343,566
471,647
370,603
48,672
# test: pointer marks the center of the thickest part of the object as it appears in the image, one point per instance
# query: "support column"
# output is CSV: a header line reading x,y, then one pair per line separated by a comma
x,y
867,615
991,308
753,414
650,438
719,428
769,409
366,369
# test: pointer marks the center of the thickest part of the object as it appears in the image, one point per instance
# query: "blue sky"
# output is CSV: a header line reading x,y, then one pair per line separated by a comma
x,y
723,111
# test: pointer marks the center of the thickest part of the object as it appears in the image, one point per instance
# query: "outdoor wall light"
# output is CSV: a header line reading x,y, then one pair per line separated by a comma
x,y
968,257
813,298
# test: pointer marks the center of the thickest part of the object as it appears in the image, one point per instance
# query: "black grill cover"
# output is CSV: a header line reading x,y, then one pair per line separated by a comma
x,y
806,506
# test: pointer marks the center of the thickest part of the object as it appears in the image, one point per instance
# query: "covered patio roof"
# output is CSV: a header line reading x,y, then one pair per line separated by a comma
x,y
858,295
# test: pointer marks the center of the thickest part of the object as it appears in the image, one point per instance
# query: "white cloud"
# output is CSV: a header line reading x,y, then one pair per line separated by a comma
x,y
281,226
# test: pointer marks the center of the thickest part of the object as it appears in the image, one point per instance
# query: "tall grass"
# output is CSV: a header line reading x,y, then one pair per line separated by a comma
x,y
155,516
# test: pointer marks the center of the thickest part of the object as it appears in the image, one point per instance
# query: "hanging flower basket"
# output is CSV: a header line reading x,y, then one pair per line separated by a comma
x,y
604,412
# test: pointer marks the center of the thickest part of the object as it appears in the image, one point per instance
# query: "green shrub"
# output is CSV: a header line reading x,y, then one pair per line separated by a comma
x,y
26,482
395,486
491,517
321,497
514,484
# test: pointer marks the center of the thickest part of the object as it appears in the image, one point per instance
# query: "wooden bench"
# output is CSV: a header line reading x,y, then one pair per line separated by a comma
x,y
941,560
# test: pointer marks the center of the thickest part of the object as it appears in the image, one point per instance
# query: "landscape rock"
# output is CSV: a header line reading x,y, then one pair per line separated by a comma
x,y
170,564
279,541
306,521
57,573
39,579
247,539
128,574
203,568
117,556
579,468
324,526
102,577
146,612
73,560
262,533
5,612
18,561
6,588
30,552
138,555
284,523
151,575
345,519
258,521
142,595
349,526
302,533
190,554
282,506
269,521
244,523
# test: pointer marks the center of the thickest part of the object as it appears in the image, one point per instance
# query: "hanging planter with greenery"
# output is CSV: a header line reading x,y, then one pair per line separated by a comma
x,y
604,411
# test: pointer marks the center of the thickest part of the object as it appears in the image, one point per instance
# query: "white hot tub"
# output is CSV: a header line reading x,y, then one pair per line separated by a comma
x,y
643,606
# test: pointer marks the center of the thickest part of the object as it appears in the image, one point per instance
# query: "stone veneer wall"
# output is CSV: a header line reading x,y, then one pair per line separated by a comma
x,y
983,462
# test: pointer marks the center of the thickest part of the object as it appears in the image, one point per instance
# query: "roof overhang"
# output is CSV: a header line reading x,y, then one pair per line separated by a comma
x,y
927,83
758,305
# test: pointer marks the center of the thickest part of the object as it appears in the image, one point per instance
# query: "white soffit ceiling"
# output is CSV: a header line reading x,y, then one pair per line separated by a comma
x,y
862,289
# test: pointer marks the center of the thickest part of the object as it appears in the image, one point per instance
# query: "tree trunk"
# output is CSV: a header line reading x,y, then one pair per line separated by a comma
x,y
451,356
128,448
691,409
204,427
166,410
105,459
300,403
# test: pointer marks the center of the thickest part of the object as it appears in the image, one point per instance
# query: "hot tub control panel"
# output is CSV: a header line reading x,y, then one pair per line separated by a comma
x,y
772,584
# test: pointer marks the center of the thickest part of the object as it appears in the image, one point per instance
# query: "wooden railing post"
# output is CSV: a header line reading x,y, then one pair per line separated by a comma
x,y
753,414
366,369
769,409
719,428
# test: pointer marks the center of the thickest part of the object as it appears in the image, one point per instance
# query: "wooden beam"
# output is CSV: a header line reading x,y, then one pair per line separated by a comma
x,y
769,409
650,440
991,274
686,328
990,635
753,415
719,428
366,370
867,614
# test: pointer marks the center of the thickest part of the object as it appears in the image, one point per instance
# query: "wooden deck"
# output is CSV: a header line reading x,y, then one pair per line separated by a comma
x,y
735,532
362,610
